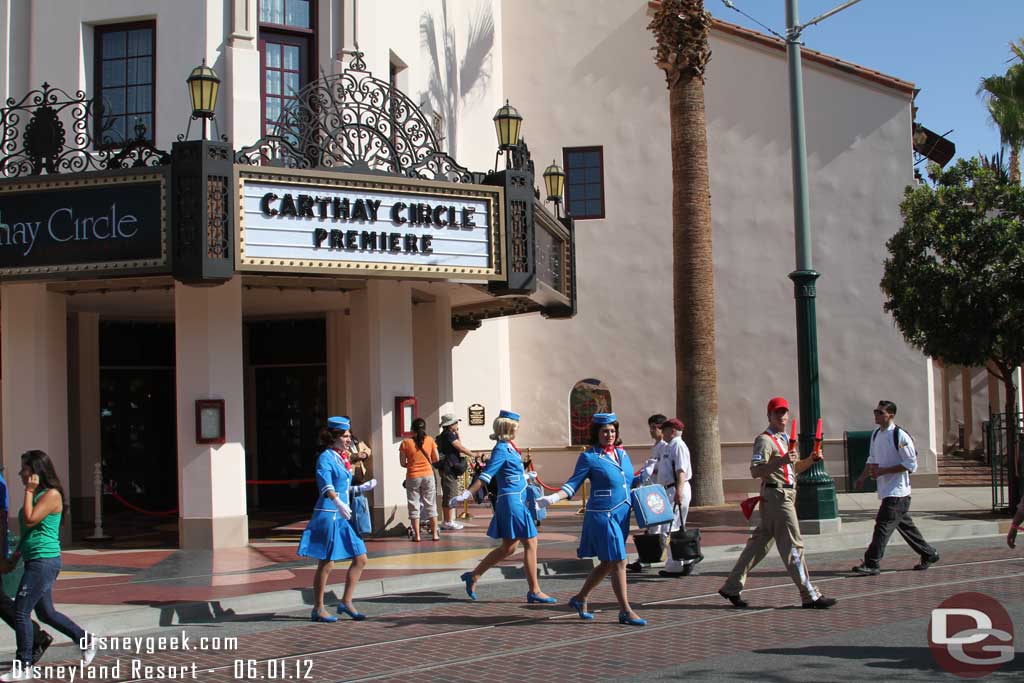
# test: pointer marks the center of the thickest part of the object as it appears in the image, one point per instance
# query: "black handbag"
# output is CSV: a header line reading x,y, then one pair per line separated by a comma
x,y
684,544
649,547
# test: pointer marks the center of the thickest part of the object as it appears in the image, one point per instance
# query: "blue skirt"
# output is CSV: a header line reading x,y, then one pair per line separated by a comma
x,y
604,534
511,518
329,536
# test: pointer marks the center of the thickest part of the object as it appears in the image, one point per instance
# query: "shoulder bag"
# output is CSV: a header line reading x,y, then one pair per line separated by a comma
x,y
685,544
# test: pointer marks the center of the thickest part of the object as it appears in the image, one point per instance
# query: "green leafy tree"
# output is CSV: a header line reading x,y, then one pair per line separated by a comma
x,y
954,278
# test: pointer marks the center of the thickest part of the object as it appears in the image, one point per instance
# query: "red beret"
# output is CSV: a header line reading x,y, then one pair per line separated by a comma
x,y
777,403
675,423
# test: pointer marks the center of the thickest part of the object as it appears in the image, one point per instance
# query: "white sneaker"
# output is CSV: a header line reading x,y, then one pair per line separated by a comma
x,y
89,653
456,526
24,675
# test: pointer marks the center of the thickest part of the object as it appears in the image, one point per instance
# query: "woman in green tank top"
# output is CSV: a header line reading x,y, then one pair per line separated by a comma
x,y
40,520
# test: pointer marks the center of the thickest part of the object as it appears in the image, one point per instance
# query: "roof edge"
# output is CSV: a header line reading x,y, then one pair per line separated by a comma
x,y
810,55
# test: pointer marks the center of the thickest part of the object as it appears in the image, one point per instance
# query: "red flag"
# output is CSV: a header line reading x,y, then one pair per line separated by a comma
x,y
792,435
748,506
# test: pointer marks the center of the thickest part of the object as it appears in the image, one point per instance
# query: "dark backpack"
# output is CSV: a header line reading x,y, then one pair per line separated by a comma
x,y
452,461
895,436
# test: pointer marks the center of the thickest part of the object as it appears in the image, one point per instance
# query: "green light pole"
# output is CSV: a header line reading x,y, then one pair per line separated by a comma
x,y
816,492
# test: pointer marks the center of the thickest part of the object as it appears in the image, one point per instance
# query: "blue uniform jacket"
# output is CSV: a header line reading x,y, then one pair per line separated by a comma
x,y
511,518
606,524
610,482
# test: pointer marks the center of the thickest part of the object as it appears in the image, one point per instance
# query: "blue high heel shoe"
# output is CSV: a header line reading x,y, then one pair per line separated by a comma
x,y
356,616
624,619
314,616
580,608
468,579
532,597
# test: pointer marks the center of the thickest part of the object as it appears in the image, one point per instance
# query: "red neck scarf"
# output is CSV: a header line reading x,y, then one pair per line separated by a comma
x,y
344,458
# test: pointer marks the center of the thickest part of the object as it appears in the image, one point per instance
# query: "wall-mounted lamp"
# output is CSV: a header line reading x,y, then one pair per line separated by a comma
x,y
554,183
507,123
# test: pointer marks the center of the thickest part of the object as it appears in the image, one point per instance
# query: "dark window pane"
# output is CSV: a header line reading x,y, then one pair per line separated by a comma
x,y
140,42
273,52
140,99
113,72
139,69
297,13
113,44
291,57
593,209
272,11
273,86
291,83
113,101
113,130
273,107
592,174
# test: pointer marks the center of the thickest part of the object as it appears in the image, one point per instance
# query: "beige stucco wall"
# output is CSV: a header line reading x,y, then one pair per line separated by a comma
x,y
589,79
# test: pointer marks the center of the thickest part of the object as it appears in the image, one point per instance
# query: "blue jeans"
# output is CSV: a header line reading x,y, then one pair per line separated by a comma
x,y
36,592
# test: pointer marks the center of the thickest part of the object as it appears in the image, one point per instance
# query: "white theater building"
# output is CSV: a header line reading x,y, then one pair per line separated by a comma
x,y
106,361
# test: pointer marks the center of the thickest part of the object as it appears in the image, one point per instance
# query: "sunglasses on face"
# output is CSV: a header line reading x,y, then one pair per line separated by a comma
x,y
878,412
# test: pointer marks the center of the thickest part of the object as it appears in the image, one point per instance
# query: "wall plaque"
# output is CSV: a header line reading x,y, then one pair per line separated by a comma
x,y
477,415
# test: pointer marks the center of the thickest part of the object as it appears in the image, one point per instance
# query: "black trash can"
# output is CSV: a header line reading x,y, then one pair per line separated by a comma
x,y
858,446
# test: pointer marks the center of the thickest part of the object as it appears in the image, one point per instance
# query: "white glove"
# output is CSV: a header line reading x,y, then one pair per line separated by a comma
x,y
531,475
459,499
545,501
343,508
368,486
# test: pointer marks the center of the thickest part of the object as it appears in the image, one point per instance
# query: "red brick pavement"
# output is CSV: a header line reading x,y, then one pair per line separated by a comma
x,y
685,616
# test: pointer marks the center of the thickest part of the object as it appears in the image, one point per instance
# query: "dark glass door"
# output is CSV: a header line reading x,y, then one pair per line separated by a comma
x,y
138,435
291,408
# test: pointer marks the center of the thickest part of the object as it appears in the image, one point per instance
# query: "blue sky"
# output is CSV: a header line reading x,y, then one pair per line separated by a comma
x,y
943,46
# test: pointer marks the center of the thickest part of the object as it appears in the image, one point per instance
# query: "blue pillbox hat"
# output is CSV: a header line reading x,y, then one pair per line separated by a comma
x,y
509,415
341,423
604,418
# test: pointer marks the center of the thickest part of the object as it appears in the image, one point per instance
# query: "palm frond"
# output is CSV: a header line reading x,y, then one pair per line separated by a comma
x,y
428,39
475,70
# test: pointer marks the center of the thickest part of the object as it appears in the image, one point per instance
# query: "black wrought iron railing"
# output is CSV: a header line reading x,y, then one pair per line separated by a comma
x,y
997,452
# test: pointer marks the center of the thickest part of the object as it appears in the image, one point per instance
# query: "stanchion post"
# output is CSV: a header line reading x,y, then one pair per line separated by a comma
x,y
465,506
586,494
97,487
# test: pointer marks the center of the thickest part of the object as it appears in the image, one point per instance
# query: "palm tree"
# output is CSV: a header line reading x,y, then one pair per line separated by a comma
x,y
1004,99
452,83
681,30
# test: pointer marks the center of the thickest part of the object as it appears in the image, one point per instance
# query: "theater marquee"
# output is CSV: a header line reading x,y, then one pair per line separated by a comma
x,y
329,222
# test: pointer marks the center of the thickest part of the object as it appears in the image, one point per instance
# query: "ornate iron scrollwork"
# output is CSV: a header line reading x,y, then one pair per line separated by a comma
x,y
49,131
356,122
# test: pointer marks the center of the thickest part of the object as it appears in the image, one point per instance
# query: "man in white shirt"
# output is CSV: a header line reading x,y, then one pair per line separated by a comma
x,y
673,471
891,461
647,471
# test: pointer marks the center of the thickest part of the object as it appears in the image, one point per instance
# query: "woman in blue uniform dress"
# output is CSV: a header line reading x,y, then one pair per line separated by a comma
x,y
606,522
330,536
512,522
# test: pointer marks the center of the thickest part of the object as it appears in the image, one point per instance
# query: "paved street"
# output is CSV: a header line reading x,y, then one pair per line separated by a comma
x,y
878,630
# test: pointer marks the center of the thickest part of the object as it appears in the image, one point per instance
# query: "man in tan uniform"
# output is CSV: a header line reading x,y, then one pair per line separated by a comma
x,y
776,463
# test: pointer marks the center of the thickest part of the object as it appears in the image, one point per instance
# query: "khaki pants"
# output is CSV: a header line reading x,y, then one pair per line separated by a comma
x,y
779,526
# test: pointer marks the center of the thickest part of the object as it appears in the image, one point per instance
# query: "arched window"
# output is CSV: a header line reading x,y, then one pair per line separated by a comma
x,y
589,396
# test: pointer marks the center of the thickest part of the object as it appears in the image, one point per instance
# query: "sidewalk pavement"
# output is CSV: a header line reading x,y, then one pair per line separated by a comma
x,y
118,590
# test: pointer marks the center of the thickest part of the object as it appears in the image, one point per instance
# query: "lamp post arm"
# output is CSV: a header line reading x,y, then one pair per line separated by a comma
x,y
793,32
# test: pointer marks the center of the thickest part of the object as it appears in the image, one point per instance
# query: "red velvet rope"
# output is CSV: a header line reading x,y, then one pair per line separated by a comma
x,y
135,508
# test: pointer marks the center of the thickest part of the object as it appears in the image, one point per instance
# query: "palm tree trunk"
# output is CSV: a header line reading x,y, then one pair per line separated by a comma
x,y
694,288
1015,164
